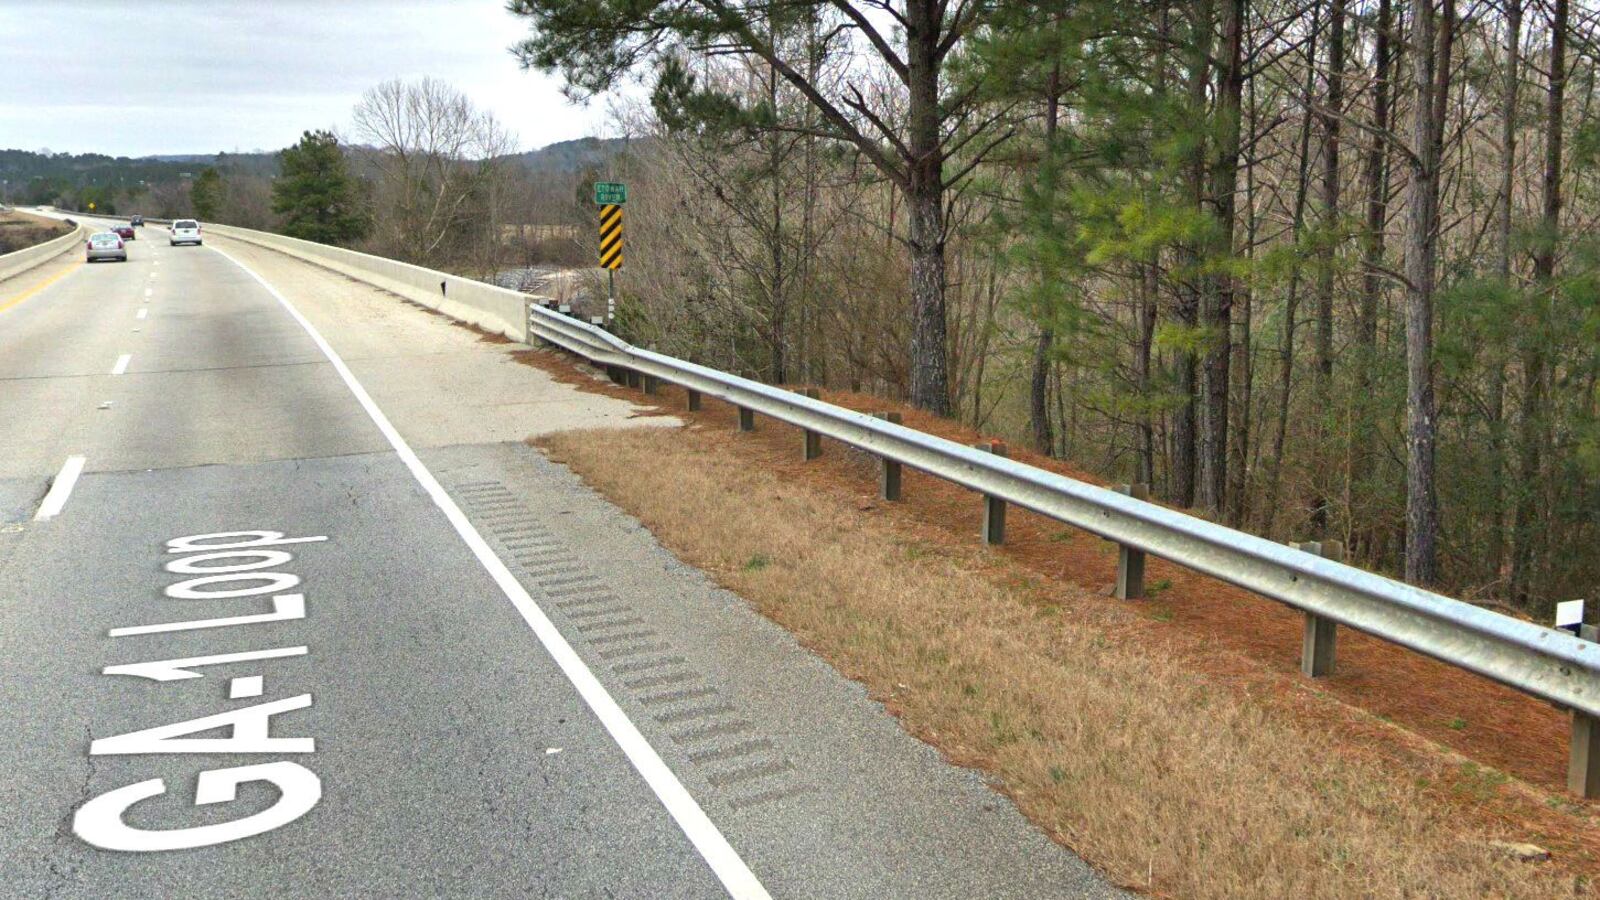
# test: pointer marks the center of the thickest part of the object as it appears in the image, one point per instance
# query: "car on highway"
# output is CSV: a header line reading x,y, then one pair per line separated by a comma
x,y
137,221
105,245
125,232
184,231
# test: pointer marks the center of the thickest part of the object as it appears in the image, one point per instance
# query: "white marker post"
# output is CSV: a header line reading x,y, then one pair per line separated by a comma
x,y
1569,616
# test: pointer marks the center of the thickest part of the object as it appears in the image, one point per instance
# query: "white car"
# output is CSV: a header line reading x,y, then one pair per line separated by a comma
x,y
184,231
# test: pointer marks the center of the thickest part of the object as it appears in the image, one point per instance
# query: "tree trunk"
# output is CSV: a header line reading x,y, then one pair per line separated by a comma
x,y
1432,41
1333,101
1184,437
930,373
1149,293
1243,375
1525,548
1494,550
1039,393
1218,294
1375,178
1291,301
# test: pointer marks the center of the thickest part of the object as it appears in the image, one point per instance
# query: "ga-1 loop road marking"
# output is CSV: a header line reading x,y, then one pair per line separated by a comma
x,y
39,287
101,821
725,863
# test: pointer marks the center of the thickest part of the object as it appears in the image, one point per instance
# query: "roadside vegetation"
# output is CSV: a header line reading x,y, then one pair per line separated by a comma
x,y
19,231
1317,269
1177,767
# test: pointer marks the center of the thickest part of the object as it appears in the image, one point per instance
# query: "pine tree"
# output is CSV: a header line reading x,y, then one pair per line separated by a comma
x,y
314,193
206,194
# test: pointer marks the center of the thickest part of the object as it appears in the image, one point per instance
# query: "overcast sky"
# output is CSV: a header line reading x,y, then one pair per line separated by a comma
x,y
139,77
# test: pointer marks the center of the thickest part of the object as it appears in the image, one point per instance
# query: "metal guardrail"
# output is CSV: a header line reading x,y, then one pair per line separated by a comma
x,y
1546,663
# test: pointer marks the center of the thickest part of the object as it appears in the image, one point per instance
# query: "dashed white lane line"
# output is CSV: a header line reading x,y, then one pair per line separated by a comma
x,y
122,364
142,313
708,840
149,292
60,489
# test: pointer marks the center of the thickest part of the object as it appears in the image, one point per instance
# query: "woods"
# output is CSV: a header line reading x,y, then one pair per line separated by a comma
x,y
1317,269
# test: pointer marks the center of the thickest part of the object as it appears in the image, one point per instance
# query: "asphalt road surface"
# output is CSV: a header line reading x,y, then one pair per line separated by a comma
x,y
287,609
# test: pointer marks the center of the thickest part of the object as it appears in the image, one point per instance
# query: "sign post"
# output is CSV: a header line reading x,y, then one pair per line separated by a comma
x,y
610,196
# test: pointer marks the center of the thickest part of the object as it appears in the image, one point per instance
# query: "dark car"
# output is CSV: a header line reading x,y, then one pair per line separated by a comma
x,y
124,231
137,221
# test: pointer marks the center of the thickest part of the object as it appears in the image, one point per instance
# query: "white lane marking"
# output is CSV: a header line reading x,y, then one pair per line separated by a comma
x,y
60,489
142,313
122,364
149,291
713,847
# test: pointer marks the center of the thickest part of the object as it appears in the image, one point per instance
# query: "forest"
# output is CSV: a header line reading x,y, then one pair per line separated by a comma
x,y
1318,269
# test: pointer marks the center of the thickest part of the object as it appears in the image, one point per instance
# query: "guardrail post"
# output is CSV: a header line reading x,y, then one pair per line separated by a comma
x,y
633,378
994,509
694,400
888,470
747,419
1583,760
1317,646
813,440
652,384
1130,560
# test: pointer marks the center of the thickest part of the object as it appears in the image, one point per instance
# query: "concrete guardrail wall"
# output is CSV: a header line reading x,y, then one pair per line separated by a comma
x,y
486,306
16,263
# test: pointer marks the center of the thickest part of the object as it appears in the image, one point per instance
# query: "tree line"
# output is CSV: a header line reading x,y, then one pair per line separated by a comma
x,y
1317,268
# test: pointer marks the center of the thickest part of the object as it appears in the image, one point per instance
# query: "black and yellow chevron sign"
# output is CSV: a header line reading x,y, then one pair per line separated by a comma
x,y
611,236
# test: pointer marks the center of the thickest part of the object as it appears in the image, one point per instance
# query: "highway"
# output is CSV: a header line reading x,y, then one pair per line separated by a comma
x,y
288,608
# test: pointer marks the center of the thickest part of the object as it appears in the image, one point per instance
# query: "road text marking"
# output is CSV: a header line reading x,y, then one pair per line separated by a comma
x,y
226,558
60,489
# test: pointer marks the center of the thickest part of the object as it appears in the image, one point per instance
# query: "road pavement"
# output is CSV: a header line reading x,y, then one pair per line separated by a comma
x,y
288,609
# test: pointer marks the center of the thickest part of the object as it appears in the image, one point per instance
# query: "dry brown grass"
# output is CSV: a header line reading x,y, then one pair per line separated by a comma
x,y
1164,778
20,230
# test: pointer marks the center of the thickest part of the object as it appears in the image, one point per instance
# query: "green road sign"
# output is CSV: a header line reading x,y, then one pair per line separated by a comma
x,y
609,192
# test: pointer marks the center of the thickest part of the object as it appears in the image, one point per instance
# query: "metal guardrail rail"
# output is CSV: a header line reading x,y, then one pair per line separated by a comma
x,y
1554,665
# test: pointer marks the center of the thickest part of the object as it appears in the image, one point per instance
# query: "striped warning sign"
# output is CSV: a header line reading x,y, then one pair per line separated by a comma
x,y
611,236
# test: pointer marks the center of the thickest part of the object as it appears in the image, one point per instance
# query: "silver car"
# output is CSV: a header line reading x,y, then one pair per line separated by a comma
x,y
105,245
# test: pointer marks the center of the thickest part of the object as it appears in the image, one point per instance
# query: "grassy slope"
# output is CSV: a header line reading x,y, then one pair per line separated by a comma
x,y
1111,740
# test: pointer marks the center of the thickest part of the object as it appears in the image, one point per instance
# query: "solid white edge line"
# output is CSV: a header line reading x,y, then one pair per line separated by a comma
x,y
122,364
60,489
713,847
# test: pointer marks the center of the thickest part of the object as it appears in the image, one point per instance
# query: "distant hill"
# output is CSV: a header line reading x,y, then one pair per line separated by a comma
x,y
260,162
570,157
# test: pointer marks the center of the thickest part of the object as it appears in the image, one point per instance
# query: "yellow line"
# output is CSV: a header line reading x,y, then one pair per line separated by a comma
x,y
39,287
